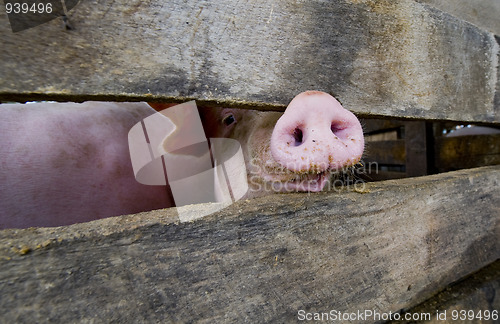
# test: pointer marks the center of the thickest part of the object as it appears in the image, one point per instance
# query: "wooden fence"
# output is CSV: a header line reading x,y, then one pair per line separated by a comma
x,y
387,247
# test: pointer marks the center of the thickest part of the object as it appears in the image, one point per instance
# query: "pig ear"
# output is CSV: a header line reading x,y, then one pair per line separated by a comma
x,y
160,106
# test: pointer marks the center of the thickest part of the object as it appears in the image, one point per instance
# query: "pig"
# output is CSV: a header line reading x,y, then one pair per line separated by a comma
x,y
69,163
297,150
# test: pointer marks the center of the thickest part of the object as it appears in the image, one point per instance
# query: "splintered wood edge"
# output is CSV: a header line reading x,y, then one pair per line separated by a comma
x,y
387,246
390,58
21,241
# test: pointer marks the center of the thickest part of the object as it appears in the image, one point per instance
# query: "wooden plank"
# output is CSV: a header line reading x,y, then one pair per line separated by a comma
x,y
418,134
482,13
383,175
462,152
386,247
478,293
375,126
379,58
386,152
385,136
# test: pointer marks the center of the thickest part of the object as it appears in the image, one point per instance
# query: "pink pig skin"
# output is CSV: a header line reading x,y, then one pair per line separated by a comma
x,y
69,163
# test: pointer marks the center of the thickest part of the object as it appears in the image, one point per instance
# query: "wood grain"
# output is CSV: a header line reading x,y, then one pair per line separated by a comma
x,y
385,247
461,152
379,58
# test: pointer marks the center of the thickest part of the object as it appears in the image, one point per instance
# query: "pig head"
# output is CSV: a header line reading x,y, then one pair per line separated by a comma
x,y
297,150
68,163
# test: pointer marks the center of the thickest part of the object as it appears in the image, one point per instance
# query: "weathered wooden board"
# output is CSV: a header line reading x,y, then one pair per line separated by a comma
x,y
384,248
472,300
412,152
418,136
386,152
482,13
383,175
375,126
461,152
422,153
386,58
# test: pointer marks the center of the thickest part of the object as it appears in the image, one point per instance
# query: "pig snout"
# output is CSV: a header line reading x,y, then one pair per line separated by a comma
x,y
316,136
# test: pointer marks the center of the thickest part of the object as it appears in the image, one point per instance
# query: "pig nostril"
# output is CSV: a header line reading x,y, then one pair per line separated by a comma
x,y
298,136
336,128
